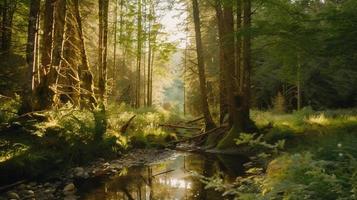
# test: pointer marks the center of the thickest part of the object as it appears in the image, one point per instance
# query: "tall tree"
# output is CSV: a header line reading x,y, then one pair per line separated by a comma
x,y
201,66
223,107
139,55
46,47
8,10
103,47
46,91
87,81
32,34
238,104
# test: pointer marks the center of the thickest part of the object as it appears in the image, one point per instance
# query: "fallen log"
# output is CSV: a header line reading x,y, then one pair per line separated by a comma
x,y
195,120
178,126
126,125
7,187
215,130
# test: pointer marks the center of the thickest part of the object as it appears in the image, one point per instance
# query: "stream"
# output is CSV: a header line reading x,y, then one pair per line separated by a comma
x,y
171,178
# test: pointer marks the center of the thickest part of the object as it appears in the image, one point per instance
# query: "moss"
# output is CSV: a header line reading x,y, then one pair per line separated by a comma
x,y
228,141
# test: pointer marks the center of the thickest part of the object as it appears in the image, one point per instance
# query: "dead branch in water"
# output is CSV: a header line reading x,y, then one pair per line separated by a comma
x,y
215,130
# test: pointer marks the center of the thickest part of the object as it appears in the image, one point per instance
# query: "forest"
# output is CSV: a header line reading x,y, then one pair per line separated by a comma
x,y
178,99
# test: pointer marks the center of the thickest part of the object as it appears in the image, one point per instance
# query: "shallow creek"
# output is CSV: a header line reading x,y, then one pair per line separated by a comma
x,y
171,178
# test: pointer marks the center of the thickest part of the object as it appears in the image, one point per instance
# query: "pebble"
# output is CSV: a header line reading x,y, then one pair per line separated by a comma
x,y
78,171
13,195
69,187
29,193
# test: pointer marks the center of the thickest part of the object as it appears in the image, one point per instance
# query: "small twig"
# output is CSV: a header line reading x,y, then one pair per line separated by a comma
x,y
221,128
165,172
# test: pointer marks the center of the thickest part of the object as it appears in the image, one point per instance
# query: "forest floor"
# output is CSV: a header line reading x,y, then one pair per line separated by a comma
x,y
44,158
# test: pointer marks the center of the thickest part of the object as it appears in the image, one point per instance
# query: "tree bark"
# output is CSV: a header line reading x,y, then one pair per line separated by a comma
x,y
238,104
246,61
30,56
8,10
46,49
68,84
201,67
46,91
138,54
102,54
223,107
88,99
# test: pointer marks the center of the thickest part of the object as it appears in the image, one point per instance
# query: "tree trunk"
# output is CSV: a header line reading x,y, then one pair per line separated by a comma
x,y
8,10
115,48
68,84
46,49
246,62
103,39
201,67
47,90
238,104
239,79
88,99
222,94
30,56
138,58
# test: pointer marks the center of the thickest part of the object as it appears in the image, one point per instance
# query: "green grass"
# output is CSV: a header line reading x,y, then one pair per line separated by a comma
x,y
70,137
319,160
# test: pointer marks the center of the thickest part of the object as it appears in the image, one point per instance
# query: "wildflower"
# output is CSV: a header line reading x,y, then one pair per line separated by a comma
x,y
340,154
339,145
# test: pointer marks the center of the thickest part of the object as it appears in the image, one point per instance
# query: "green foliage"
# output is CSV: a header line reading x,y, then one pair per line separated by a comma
x,y
144,130
258,141
9,108
319,161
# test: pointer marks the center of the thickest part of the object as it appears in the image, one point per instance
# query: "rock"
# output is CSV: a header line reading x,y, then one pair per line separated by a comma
x,y
78,171
32,184
13,195
85,175
69,188
22,187
29,193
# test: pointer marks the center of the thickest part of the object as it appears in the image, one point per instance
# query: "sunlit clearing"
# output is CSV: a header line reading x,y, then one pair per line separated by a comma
x,y
318,119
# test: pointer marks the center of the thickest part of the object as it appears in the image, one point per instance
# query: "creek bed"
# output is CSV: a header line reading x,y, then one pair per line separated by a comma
x,y
171,178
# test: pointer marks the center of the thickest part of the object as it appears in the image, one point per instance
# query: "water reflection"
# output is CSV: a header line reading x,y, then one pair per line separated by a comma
x,y
170,179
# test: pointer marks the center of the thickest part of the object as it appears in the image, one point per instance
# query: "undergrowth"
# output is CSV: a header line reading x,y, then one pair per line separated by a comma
x,y
59,138
318,161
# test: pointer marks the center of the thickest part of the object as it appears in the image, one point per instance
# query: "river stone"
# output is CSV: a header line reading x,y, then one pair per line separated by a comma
x,y
78,171
69,188
13,195
29,193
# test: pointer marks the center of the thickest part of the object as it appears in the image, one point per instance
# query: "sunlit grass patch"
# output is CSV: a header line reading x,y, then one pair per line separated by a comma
x,y
319,119
9,150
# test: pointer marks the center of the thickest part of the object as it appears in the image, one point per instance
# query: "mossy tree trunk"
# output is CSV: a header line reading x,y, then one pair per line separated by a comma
x,y
46,91
88,99
32,34
201,67
238,103
102,50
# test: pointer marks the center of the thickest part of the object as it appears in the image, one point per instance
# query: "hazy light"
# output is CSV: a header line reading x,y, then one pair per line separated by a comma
x,y
172,24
